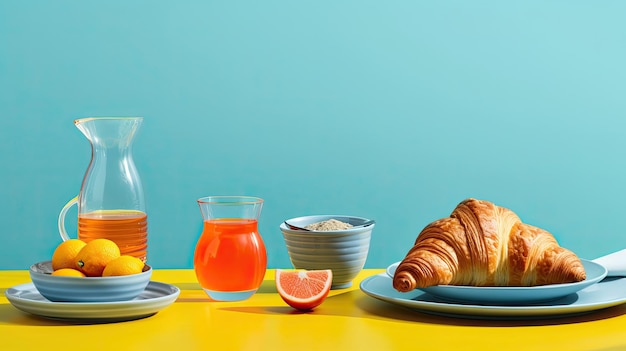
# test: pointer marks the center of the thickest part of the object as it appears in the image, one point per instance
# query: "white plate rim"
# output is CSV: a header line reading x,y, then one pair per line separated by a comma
x,y
379,286
511,294
153,299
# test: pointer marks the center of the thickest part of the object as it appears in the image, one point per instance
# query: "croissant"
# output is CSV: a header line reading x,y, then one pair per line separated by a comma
x,y
481,244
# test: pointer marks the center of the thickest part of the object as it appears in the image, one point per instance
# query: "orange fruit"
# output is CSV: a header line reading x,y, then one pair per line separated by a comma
x,y
304,290
64,255
93,258
123,265
68,272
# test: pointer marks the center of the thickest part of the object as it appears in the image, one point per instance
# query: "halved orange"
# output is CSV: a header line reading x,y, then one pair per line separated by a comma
x,y
303,290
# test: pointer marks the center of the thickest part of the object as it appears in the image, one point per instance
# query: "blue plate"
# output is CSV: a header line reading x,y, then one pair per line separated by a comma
x,y
607,293
153,299
505,295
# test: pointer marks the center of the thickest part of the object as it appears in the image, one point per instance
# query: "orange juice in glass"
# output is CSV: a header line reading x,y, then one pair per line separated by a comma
x,y
230,258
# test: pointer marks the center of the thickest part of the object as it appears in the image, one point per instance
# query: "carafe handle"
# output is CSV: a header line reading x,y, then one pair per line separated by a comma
x,y
64,210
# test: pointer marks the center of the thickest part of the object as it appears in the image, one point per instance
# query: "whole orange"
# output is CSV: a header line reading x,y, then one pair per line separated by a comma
x,y
123,265
64,255
68,272
93,258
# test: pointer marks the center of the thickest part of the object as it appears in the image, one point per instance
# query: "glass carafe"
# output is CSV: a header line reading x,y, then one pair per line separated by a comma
x,y
111,201
230,258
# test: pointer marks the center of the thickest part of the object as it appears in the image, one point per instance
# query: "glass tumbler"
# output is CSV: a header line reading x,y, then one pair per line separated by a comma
x,y
230,257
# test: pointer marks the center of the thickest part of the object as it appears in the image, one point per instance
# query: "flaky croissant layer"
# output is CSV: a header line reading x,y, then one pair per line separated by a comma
x,y
481,244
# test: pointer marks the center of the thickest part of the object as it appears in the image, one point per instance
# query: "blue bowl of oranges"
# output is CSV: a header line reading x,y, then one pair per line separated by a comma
x,y
90,272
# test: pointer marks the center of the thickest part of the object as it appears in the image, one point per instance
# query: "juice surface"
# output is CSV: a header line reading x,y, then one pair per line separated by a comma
x,y
230,255
128,229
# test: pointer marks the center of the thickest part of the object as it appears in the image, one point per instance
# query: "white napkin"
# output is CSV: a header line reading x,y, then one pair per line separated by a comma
x,y
615,263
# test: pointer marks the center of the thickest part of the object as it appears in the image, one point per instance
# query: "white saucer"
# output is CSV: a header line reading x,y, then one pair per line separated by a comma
x,y
512,295
607,293
156,297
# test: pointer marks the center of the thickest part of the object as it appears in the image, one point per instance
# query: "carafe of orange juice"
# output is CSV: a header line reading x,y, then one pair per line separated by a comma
x,y
111,201
230,258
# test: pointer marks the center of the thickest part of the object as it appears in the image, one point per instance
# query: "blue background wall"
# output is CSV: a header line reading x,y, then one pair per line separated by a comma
x,y
393,110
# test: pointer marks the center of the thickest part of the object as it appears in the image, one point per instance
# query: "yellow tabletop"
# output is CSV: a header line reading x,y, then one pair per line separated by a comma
x,y
347,320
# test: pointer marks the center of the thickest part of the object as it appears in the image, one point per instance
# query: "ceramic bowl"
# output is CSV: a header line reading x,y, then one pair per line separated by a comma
x,y
342,251
87,289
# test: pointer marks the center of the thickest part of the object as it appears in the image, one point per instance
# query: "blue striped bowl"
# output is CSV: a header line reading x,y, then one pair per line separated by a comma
x,y
87,289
